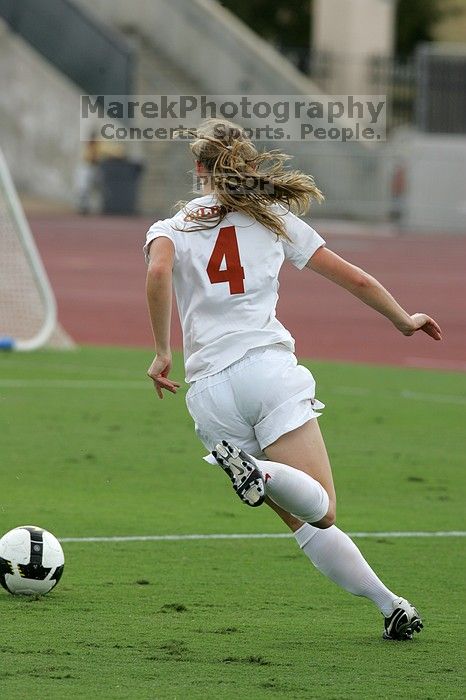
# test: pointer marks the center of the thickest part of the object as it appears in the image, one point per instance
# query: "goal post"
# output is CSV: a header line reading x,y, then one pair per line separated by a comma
x,y
28,310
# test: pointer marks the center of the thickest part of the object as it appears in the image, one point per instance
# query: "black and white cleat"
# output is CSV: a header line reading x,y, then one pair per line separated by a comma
x,y
244,474
403,622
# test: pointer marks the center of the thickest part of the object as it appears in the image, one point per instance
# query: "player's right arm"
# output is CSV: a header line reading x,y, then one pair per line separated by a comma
x,y
371,292
159,300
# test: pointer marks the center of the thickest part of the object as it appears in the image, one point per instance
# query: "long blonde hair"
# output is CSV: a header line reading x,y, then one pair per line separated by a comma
x,y
246,181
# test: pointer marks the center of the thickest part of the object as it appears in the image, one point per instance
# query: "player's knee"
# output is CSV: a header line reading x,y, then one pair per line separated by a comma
x,y
329,518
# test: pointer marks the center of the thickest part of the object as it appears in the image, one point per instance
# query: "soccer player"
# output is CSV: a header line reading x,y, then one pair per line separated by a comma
x,y
253,406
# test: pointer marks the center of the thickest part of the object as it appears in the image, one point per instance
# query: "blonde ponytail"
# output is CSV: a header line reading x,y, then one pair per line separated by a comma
x,y
246,181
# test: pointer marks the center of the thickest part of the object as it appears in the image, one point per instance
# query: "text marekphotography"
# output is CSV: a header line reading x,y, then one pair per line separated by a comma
x,y
277,118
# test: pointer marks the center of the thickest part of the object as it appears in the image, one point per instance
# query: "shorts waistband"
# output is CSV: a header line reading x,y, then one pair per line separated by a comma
x,y
251,356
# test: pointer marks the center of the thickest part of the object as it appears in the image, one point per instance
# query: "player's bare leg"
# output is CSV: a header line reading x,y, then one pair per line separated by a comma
x,y
304,449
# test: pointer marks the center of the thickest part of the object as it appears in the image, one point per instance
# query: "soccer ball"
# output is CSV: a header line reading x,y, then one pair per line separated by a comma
x,y
31,561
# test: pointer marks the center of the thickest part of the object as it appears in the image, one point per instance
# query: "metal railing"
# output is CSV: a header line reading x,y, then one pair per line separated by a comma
x,y
427,91
441,79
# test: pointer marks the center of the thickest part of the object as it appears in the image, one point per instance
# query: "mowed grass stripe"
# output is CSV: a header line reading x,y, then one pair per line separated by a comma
x,y
120,384
73,384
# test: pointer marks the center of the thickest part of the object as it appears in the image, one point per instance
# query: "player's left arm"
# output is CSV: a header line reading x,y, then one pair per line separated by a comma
x,y
371,292
159,301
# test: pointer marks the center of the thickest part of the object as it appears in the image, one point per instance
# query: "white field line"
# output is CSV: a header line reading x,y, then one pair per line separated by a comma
x,y
255,536
121,384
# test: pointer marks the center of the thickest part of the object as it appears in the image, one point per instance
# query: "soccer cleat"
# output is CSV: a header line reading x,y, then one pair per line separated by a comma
x,y
403,622
245,476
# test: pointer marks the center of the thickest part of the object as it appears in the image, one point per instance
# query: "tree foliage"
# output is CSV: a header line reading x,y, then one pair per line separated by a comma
x,y
284,22
415,22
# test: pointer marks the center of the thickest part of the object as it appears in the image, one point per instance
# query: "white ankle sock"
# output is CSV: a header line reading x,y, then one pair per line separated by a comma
x,y
336,556
294,491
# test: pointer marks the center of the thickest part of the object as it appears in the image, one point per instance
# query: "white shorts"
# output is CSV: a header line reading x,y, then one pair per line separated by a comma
x,y
254,401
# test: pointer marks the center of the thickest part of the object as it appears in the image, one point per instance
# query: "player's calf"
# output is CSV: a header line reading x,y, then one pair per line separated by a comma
x,y
329,518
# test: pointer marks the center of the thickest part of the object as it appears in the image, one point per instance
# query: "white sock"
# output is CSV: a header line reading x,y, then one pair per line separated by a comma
x,y
336,556
294,491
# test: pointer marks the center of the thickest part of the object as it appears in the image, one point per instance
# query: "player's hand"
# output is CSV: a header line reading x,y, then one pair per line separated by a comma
x,y
159,371
422,322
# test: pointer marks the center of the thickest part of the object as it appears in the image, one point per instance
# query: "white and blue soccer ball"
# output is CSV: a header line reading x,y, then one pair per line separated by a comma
x,y
31,561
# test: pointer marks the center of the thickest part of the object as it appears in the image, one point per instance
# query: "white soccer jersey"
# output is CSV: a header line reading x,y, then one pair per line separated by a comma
x,y
226,283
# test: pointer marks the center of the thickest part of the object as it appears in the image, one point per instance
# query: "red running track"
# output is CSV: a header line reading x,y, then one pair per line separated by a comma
x,y
97,270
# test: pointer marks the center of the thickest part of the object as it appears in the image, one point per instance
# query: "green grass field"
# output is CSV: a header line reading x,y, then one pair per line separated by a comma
x,y
87,450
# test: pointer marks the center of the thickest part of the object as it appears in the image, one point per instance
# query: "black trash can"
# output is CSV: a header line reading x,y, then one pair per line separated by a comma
x,y
120,183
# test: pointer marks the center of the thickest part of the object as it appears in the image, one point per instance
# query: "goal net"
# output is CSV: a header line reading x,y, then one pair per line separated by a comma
x,y
28,314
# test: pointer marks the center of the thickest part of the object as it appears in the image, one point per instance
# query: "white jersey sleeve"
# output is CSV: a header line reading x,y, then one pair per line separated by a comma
x,y
161,229
304,241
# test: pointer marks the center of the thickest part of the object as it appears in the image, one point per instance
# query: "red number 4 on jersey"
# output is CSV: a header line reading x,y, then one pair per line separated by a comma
x,y
226,246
